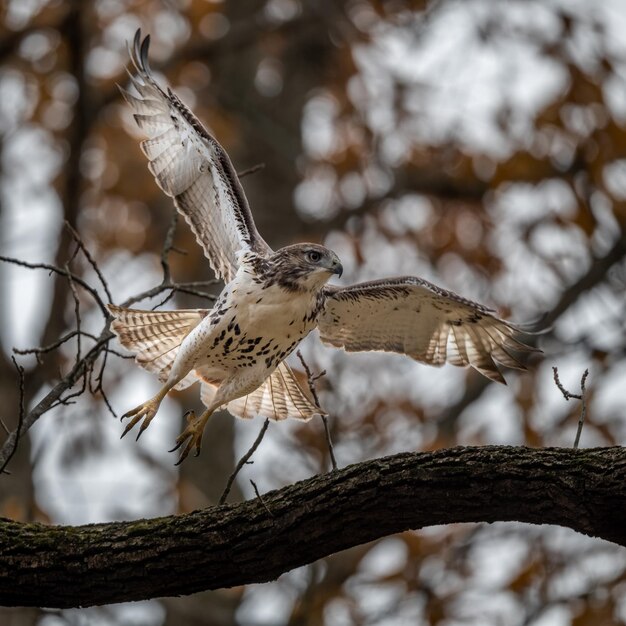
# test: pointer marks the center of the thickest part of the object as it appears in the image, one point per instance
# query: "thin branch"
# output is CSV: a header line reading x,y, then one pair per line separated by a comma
x,y
167,283
159,289
195,292
55,395
311,381
90,259
99,388
331,450
258,495
76,312
20,421
62,272
583,410
119,355
153,292
56,344
181,288
243,460
568,395
251,170
84,365
168,245
165,300
107,403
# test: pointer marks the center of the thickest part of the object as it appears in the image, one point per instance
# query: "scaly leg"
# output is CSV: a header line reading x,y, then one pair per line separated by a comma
x,y
145,411
191,437
229,389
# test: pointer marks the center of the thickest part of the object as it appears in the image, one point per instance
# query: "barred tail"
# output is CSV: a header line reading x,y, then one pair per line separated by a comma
x,y
280,396
155,336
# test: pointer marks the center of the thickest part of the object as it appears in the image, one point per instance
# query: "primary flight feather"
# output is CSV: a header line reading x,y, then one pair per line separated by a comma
x,y
272,300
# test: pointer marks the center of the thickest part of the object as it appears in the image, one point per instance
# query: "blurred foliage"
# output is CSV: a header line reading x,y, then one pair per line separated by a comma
x,y
480,144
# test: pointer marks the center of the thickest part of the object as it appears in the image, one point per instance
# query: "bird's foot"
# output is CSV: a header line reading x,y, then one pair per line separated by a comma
x,y
191,437
145,412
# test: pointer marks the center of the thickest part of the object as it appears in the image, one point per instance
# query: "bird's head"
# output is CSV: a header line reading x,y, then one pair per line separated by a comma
x,y
304,266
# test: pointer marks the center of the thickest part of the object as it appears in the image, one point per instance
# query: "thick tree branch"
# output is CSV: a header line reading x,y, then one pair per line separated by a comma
x,y
232,545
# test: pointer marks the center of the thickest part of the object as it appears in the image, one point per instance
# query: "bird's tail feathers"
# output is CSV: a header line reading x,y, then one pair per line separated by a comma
x,y
155,336
279,397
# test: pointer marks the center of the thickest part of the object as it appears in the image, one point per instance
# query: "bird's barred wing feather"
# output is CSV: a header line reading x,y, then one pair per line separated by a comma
x,y
190,166
155,336
278,398
414,317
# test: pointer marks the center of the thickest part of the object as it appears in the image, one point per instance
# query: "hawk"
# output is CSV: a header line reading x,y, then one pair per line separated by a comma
x,y
273,299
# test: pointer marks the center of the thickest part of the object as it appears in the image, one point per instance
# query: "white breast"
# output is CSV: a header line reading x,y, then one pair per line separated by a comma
x,y
252,328
273,310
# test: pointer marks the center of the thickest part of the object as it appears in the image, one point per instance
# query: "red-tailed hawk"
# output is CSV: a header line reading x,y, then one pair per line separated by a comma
x,y
272,300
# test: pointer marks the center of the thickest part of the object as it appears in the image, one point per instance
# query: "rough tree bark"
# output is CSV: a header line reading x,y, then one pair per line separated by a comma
x,y
258,540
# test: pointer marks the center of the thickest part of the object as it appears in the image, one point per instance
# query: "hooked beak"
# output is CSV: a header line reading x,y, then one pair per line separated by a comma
x,y
337,268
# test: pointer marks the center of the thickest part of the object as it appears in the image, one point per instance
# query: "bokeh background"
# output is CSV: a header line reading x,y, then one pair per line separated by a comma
x,y
480,144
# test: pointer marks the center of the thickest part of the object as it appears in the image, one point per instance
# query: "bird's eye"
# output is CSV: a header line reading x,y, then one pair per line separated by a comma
x,y
314,256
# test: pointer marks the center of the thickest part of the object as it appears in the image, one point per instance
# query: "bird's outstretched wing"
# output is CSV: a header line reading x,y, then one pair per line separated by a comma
x,y
154,337
414,317
190,166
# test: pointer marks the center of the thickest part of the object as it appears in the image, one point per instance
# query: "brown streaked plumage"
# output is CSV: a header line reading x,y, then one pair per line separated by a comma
x,y
381,315
272,300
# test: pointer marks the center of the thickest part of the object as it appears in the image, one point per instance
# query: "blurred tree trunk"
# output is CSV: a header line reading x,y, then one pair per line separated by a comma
x,y
272,125
17,496
275,141
201,482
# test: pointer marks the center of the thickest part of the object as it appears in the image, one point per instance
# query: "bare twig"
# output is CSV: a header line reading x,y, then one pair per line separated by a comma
x,y
569,395
20,421
55,395
105,398
54,345
168,244
99,388
251,170
583,411
331,450
153,292
84,366
90,259
194,292
119,355
159,289
243,460
181,288
63,272
167,282
163,301
76,311
311,380
258,495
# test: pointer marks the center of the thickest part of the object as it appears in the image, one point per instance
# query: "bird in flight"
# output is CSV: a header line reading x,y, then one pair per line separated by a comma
x,y
273,299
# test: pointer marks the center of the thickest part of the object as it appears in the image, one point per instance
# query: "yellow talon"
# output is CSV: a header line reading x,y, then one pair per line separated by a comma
x,y
145,412
191,437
